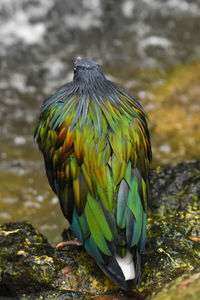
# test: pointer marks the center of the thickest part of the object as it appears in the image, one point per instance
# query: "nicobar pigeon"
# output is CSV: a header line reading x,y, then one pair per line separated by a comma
x,y
96,147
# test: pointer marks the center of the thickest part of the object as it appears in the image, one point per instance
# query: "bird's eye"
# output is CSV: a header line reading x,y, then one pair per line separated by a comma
x,y
74,70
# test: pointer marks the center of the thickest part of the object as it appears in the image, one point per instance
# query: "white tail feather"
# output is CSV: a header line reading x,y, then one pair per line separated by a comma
x,y
127,265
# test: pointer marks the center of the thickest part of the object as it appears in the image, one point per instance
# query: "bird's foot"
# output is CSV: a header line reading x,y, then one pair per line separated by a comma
x,y
64,244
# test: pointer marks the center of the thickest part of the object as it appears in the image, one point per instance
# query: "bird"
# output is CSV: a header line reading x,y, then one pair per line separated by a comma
x,y
96,146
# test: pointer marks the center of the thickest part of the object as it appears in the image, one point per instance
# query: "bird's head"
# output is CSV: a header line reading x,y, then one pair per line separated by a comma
x,y
87,72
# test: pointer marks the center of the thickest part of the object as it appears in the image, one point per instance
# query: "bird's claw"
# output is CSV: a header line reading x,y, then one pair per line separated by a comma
x,y
74,243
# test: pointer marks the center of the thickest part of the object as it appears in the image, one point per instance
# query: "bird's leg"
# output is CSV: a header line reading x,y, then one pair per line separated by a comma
x,y
64,244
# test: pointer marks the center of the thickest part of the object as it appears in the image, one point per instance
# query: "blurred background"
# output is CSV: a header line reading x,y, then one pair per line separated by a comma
x,y
150,47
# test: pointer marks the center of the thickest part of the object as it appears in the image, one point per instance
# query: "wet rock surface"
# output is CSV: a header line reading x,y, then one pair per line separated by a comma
x,y
30,268
185,287
175,189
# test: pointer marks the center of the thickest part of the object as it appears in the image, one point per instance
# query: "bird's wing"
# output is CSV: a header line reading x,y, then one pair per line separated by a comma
x,y
55,141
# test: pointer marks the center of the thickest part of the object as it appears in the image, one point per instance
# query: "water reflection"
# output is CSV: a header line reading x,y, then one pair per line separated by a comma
x,y
149,47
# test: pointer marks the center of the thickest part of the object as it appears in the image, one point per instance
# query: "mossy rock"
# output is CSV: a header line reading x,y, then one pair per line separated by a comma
x,y
173,225
29,264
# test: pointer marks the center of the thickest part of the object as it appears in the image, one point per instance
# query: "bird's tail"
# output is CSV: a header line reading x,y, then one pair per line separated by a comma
x,y
120,269
127,265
